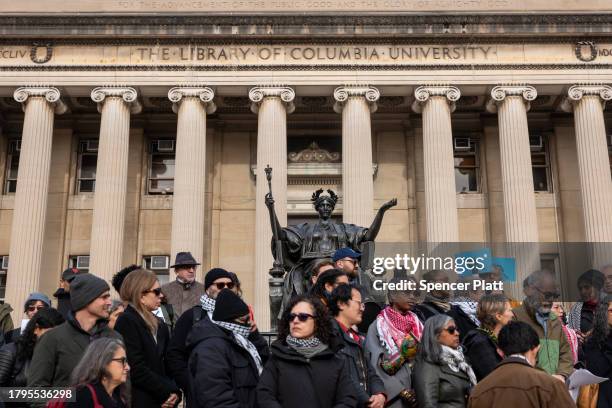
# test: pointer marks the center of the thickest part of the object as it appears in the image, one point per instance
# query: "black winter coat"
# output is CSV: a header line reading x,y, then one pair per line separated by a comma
x,y
64,306
437,386
481,353
598,360
290,380
223,374
361,373
12,371
146,357
178,352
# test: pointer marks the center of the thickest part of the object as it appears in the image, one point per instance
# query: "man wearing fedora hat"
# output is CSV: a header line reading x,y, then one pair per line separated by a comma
x,y
184,293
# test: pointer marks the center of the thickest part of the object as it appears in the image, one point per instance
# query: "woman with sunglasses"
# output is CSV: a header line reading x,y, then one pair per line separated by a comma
x,y
442,377
146,339
304,369
100,377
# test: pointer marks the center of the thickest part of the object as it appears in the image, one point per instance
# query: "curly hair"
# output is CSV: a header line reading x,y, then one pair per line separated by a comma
x,y
601,328
46,318
323,328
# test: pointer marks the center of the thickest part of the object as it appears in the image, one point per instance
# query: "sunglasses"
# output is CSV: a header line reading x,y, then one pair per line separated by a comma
x,y
35,308
223,285
451,329
157,291
548,295
122,360
302,317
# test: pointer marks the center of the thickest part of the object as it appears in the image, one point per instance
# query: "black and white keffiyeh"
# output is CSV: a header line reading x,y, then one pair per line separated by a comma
x,y
241,334
469,307
208,304
307,347
455,360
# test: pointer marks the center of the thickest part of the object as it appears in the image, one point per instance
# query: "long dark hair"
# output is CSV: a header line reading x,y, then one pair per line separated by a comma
x,y
43,319
601,328
322,321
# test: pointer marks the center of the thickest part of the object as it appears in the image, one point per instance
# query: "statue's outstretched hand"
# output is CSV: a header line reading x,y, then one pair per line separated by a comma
x,y
389,204
269,200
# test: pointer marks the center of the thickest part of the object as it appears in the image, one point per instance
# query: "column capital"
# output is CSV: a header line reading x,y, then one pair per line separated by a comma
x,y
576,92
343,93
206,95
127,93
500,92
285,93
51,95
423,93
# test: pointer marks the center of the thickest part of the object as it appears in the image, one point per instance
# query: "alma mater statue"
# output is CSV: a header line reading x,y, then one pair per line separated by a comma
x,y
304,244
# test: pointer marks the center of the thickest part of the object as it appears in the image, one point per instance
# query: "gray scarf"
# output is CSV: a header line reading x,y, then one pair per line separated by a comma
x,y
455,360
307,347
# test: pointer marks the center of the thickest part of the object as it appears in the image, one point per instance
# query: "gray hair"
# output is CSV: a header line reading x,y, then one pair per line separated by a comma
x,y
92,367
535,277
430,349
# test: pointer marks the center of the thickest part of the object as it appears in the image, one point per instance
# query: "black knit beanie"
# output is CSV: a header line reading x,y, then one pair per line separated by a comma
x,y
84,289
214,274
229,306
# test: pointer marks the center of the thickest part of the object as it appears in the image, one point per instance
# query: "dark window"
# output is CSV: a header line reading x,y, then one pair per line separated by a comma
x,y
12,166
161,169
540,163
87,162
467,165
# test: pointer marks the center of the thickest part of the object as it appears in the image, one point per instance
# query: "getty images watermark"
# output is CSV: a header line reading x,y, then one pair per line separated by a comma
x,y
464,265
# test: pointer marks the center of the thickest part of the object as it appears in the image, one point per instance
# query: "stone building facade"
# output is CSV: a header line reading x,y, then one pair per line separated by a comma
x,y
131,130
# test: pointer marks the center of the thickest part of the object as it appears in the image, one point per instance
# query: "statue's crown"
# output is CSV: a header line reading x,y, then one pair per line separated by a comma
x,y
318,197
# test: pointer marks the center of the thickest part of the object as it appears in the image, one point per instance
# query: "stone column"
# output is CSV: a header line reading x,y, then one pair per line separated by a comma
x,y
30,207
511,103
188,204
356,103
271,104
588,102
436,103
115,104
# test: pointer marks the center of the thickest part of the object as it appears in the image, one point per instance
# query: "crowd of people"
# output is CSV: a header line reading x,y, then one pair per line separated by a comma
x,y
197,344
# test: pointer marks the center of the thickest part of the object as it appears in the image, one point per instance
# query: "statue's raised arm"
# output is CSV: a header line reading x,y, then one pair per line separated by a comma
x,y
375,227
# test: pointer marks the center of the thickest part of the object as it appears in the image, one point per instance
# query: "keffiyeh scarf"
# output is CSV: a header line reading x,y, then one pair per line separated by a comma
x,y
208,304
455,360
306,347
241,334
392,327
469,308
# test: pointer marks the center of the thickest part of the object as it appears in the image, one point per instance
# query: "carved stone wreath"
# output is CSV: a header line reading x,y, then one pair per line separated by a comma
x,y
314,154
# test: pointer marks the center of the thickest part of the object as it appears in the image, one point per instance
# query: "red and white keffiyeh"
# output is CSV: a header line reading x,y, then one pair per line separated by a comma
x,y
392,328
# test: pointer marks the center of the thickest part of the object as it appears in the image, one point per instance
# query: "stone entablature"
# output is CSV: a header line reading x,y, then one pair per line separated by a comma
x,y
250,54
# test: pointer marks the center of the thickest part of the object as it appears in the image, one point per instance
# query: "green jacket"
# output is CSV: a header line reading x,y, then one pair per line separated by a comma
x,y
6,323
59,351
555,355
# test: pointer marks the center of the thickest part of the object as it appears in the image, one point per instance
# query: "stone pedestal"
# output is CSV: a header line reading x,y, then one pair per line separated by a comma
x,y
511,103
436,103
587,102
356,103
40,104
115,104
188,204
271,104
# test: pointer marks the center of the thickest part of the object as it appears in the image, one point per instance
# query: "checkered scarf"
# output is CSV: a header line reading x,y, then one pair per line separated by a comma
x,y
469,307
241,334
208,304
298,343
392,327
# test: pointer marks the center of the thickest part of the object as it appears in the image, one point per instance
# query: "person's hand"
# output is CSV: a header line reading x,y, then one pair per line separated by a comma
x,y
377,401
559,377
171,401
253,327
389,204
581,336
269,200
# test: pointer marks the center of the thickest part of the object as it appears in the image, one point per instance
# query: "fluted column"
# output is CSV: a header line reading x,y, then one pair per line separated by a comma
x,y
271,104
587,103
115,104
436,103
511,103
30,208
188,205
356,103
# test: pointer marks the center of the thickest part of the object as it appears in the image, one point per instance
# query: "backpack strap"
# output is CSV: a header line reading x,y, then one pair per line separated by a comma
x,y
94,396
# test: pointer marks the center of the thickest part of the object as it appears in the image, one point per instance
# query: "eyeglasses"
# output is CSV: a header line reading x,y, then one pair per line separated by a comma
x,y
35,308
451,329
223,285
122,360
302,317
157,291
353,261
548,295
361,304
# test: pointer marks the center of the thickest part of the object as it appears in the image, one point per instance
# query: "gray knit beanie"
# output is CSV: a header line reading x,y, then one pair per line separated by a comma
x,y
84,289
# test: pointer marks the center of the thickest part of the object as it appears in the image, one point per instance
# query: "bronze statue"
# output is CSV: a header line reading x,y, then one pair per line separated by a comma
x,y
304,244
